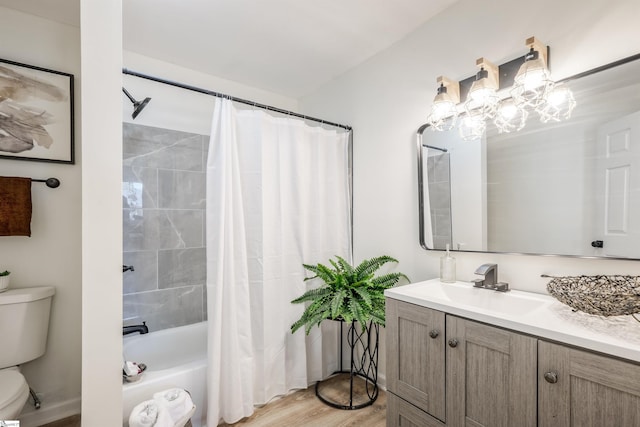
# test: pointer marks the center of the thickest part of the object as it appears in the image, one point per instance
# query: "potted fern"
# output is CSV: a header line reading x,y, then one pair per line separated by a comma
x,y
348,293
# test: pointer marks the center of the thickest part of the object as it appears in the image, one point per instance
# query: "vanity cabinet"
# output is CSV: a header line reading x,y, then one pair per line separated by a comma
x,y
578,388
496,377
489,374
416,357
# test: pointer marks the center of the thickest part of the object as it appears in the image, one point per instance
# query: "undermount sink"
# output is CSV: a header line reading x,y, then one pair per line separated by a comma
x,y
465,294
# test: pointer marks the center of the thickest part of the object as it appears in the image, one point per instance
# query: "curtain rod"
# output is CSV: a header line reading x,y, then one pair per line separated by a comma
x,y
233,98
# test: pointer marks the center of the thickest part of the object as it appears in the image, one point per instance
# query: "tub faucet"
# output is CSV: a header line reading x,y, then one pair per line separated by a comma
x,y
490,278
127,268
132,329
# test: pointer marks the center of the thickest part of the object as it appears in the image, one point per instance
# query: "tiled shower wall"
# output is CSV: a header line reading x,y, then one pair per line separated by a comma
x,y
163,198
440,199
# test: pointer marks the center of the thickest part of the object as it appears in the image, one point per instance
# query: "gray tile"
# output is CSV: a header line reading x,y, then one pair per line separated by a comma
x,y
181,267
205,151
161,148
430,169
181,189
205,315
441,168
440,195
181,229
165,308
140,229
145,274
139,187
440,242
442,222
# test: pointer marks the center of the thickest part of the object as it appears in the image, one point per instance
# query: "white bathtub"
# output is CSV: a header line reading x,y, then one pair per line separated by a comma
x,y
175,358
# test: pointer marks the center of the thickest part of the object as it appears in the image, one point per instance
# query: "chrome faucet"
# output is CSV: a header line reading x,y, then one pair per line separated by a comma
x,y
132,329
490,278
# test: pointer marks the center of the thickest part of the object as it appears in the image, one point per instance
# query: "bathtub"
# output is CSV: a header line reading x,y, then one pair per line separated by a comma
x,y
174,357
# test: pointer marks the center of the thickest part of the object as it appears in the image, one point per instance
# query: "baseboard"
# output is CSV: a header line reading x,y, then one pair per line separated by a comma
x,y
49,413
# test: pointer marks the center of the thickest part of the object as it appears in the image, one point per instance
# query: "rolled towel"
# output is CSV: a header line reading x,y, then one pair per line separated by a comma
x,y
178,403
150,414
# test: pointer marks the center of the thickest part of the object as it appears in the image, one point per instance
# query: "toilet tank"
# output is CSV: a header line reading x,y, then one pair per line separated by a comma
x,y
24,324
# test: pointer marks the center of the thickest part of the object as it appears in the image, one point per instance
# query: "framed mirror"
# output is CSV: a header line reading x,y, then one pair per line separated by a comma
x,y
570,188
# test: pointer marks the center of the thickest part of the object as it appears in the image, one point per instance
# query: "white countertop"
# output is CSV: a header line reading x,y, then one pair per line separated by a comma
x,y
527,312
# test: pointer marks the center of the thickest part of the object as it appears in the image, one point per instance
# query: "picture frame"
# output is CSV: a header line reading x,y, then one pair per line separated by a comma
x,y
36,113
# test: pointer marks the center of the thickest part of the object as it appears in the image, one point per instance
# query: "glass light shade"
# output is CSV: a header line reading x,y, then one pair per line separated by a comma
x,y
510,117
532,83
443,113
472,126
482,98
558,106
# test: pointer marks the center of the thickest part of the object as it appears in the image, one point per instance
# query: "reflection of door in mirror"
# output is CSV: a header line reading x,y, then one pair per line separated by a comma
x,y
618,187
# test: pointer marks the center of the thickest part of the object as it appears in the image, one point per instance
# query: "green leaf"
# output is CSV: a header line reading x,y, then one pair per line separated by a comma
x,y
312,295
370,266
336,303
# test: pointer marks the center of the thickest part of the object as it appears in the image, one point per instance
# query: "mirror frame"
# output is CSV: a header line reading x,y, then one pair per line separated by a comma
x,y
421,172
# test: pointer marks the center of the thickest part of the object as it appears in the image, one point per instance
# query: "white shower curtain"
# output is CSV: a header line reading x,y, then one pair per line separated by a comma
x,y
277,197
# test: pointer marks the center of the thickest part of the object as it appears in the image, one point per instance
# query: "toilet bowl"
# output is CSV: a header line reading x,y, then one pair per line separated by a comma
x,y
14,393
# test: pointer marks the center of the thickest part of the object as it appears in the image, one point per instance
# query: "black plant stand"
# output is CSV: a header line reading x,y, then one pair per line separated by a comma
x,y
365,367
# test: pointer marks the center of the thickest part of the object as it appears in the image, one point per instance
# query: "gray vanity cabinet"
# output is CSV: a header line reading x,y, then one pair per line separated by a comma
x,y
415,359
577,388
491,376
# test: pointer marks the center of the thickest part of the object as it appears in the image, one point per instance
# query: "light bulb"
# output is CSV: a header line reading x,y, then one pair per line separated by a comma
x,y
558,106
472,127
510,117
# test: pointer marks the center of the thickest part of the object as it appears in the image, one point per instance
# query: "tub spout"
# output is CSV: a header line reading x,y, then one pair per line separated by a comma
x,y
132,329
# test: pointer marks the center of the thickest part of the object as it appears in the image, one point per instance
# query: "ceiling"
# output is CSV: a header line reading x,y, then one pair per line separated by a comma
x,y
290,47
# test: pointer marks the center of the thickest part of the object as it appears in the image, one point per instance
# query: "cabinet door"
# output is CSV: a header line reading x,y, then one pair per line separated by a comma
x,y
403,414
577,388
491,376
415,355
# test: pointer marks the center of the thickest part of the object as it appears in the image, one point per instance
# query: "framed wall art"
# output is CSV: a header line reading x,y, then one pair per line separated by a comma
x,y
36,113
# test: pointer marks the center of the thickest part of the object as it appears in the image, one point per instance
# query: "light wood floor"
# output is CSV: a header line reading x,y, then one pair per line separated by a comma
x,y
304,409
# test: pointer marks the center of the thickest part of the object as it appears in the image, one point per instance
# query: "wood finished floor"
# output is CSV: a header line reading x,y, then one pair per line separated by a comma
x,y
304,409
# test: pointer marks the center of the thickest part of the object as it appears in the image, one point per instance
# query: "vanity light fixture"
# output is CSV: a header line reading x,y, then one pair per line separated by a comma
x,y
444,111
483,95
533,81
487,96
482,101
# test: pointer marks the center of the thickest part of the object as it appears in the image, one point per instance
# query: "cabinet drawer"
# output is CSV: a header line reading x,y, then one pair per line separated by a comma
x,y
403,414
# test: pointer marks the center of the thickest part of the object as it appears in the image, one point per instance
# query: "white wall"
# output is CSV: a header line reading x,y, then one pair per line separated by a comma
x,y
388,97
52,255
101,30
179,109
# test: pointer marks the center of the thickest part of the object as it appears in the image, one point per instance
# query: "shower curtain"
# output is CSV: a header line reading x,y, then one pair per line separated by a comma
x,y
277,197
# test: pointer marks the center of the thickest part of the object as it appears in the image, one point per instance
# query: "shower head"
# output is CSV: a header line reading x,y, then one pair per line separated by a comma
x,y
137,105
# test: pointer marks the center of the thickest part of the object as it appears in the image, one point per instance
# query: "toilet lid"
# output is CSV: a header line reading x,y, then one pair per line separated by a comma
x,y
13,385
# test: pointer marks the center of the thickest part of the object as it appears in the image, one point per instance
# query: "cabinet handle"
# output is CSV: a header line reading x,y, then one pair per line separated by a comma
x,y
434,333
453,343
551,377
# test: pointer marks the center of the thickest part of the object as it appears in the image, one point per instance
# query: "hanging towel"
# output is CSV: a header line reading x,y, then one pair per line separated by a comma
x,y
15,206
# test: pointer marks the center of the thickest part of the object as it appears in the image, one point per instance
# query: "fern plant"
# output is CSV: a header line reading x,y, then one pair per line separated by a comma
x,y
348,293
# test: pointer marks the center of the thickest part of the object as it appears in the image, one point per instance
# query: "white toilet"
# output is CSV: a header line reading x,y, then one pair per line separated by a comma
x,y
24,325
